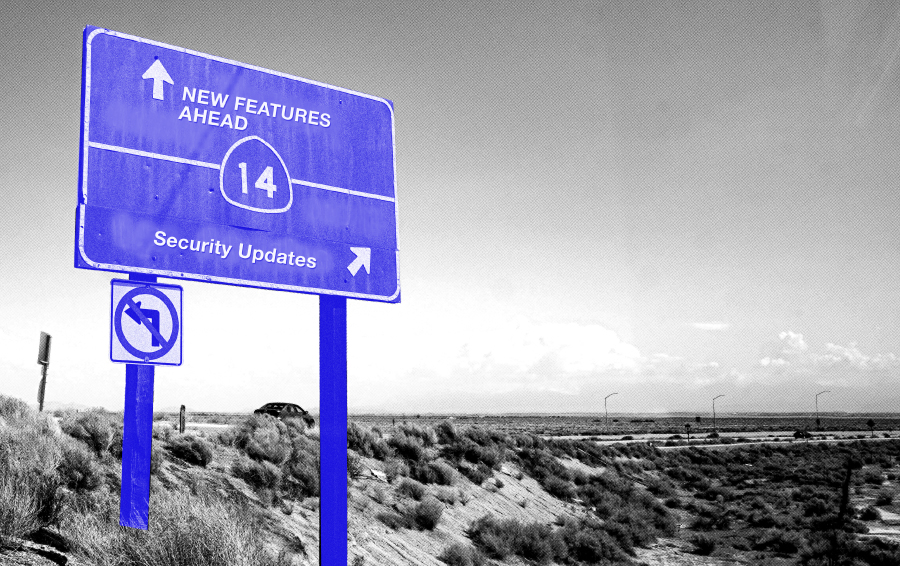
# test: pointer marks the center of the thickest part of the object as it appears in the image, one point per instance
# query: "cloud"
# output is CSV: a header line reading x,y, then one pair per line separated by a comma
x,y
714,326
851,356
790,357
789,348
545,354
793,342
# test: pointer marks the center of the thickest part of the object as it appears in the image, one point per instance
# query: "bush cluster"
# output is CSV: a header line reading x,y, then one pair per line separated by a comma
x,y
461,555
424,515
190,448
95,428
279,457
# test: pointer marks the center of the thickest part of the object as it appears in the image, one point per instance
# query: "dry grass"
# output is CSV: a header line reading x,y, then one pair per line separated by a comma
x,y
30,452
185,530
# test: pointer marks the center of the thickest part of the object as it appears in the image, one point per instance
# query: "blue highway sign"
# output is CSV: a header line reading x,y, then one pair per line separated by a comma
x,y
198,167
146,324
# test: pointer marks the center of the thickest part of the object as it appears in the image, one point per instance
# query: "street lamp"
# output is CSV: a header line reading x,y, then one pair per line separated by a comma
x,y
606,413
714,411
818,424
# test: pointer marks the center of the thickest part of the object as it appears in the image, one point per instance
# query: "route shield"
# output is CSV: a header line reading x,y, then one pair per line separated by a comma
x,y
198,167
146,324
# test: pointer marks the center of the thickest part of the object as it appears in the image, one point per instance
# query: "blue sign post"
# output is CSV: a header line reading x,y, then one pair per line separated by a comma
x,y
201,168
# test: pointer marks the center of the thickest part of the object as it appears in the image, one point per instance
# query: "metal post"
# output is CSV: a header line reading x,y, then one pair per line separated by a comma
x,y
818,424
134,500
333,430
604,410
715,429
137,436
43,387
181,418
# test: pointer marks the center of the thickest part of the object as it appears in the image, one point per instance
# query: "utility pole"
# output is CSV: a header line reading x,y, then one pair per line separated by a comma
x,y
818,423
44,361
606,413
714,411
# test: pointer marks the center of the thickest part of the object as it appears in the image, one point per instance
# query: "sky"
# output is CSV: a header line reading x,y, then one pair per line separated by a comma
x,y
669,201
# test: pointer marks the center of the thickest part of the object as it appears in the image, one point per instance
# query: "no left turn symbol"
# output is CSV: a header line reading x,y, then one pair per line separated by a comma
x,y
146,323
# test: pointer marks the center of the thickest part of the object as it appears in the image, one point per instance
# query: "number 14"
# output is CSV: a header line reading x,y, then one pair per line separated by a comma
x,y
265,182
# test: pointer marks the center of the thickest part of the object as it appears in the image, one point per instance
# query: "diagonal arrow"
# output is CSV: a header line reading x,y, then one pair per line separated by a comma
x,y
136,310
363,259
159,75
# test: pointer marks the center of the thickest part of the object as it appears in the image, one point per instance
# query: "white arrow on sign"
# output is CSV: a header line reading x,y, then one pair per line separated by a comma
x,y
363,259
159,75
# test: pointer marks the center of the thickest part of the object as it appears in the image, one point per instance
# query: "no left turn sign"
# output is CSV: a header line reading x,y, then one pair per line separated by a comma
x,y
146,324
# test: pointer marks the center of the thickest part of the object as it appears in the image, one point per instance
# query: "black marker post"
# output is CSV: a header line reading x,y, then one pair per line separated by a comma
x,y
44,360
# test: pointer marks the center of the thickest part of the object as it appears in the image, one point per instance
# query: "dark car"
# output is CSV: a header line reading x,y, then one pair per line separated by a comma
x,y
286,411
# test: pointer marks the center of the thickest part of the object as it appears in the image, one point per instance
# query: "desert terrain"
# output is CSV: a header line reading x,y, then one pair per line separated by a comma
x,y
461,490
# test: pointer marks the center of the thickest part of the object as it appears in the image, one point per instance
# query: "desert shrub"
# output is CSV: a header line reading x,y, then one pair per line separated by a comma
x,y
432,472
461,555
115,446
78,469
559,488
427,513
411,488
354,465
156,457
816,507
762,518
672,503
30,454
477,474
777,540
870,513
394,468
424,434
713,518
407,447
379,494
446,434
447,496
704,544
395,521
367,442
884,498
660,488
161,431
190,448
587,542
30,494
95,428
302,468
184,530
872,477
533,541
263,437
444,474
259,475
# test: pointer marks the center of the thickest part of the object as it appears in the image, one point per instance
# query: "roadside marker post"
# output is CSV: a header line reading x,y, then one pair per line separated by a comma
x,y
44,361
201,168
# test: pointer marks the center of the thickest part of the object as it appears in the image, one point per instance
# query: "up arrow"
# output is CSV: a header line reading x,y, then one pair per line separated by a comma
x,y
363,259
159,75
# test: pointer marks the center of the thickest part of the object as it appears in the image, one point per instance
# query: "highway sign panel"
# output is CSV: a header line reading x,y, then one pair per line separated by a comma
x,y
197,167
146,325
